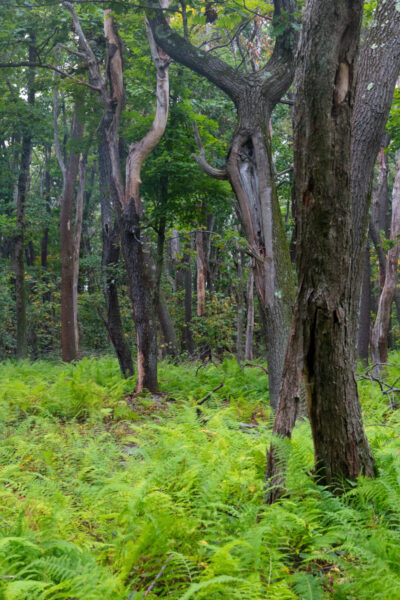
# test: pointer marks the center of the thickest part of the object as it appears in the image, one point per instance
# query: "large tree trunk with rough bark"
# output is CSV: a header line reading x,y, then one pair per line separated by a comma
x,y
19,243
380,331
379,65
321,345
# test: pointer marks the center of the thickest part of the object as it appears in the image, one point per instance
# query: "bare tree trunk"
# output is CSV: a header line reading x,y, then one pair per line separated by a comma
x,y
187,337
167,327
240,306
250,312
321,344
380,331
110,253
45,194
69,349
22,188
380,219
364,322
77,244
201,274
250,172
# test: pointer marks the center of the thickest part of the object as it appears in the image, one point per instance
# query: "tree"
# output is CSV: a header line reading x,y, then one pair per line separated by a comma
x,y
332,193
70,232
127,195
249,166
22,189
380,331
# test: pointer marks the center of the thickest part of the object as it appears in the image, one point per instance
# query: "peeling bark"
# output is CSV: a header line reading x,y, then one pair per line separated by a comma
x,y
128,203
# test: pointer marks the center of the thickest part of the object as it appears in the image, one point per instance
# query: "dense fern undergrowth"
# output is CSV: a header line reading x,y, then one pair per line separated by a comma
x,y
104,496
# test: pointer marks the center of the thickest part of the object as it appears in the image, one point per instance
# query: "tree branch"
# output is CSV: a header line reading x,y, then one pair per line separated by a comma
x,y
26,63
201,159
180,49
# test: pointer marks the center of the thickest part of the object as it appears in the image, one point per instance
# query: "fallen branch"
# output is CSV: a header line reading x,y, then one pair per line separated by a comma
x,y
209,394
157,577
257,367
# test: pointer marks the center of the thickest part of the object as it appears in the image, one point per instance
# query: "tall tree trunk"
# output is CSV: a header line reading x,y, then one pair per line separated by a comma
x,y
167,327
187,337
77,244
240,306
250,172
69,348
377,75
22,188
111,251
320,343
201,273
45,186
380,331
364,322
250,312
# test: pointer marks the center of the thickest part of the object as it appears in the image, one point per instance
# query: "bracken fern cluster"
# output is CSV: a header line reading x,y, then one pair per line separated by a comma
x,y
105,496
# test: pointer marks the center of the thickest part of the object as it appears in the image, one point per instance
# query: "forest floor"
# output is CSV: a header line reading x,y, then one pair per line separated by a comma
x,y
106,496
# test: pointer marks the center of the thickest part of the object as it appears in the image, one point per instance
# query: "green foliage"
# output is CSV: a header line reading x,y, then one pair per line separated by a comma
x,y
104,497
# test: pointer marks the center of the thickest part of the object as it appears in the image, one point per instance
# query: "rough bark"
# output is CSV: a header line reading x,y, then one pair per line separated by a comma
x,y
380,331
249,168
22,189
321,345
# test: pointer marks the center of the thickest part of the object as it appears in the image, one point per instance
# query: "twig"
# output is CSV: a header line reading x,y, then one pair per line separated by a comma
x,y
157,577
257,367
209,394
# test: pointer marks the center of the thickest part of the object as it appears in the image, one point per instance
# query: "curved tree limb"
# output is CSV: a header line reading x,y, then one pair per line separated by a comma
x,y
201,159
